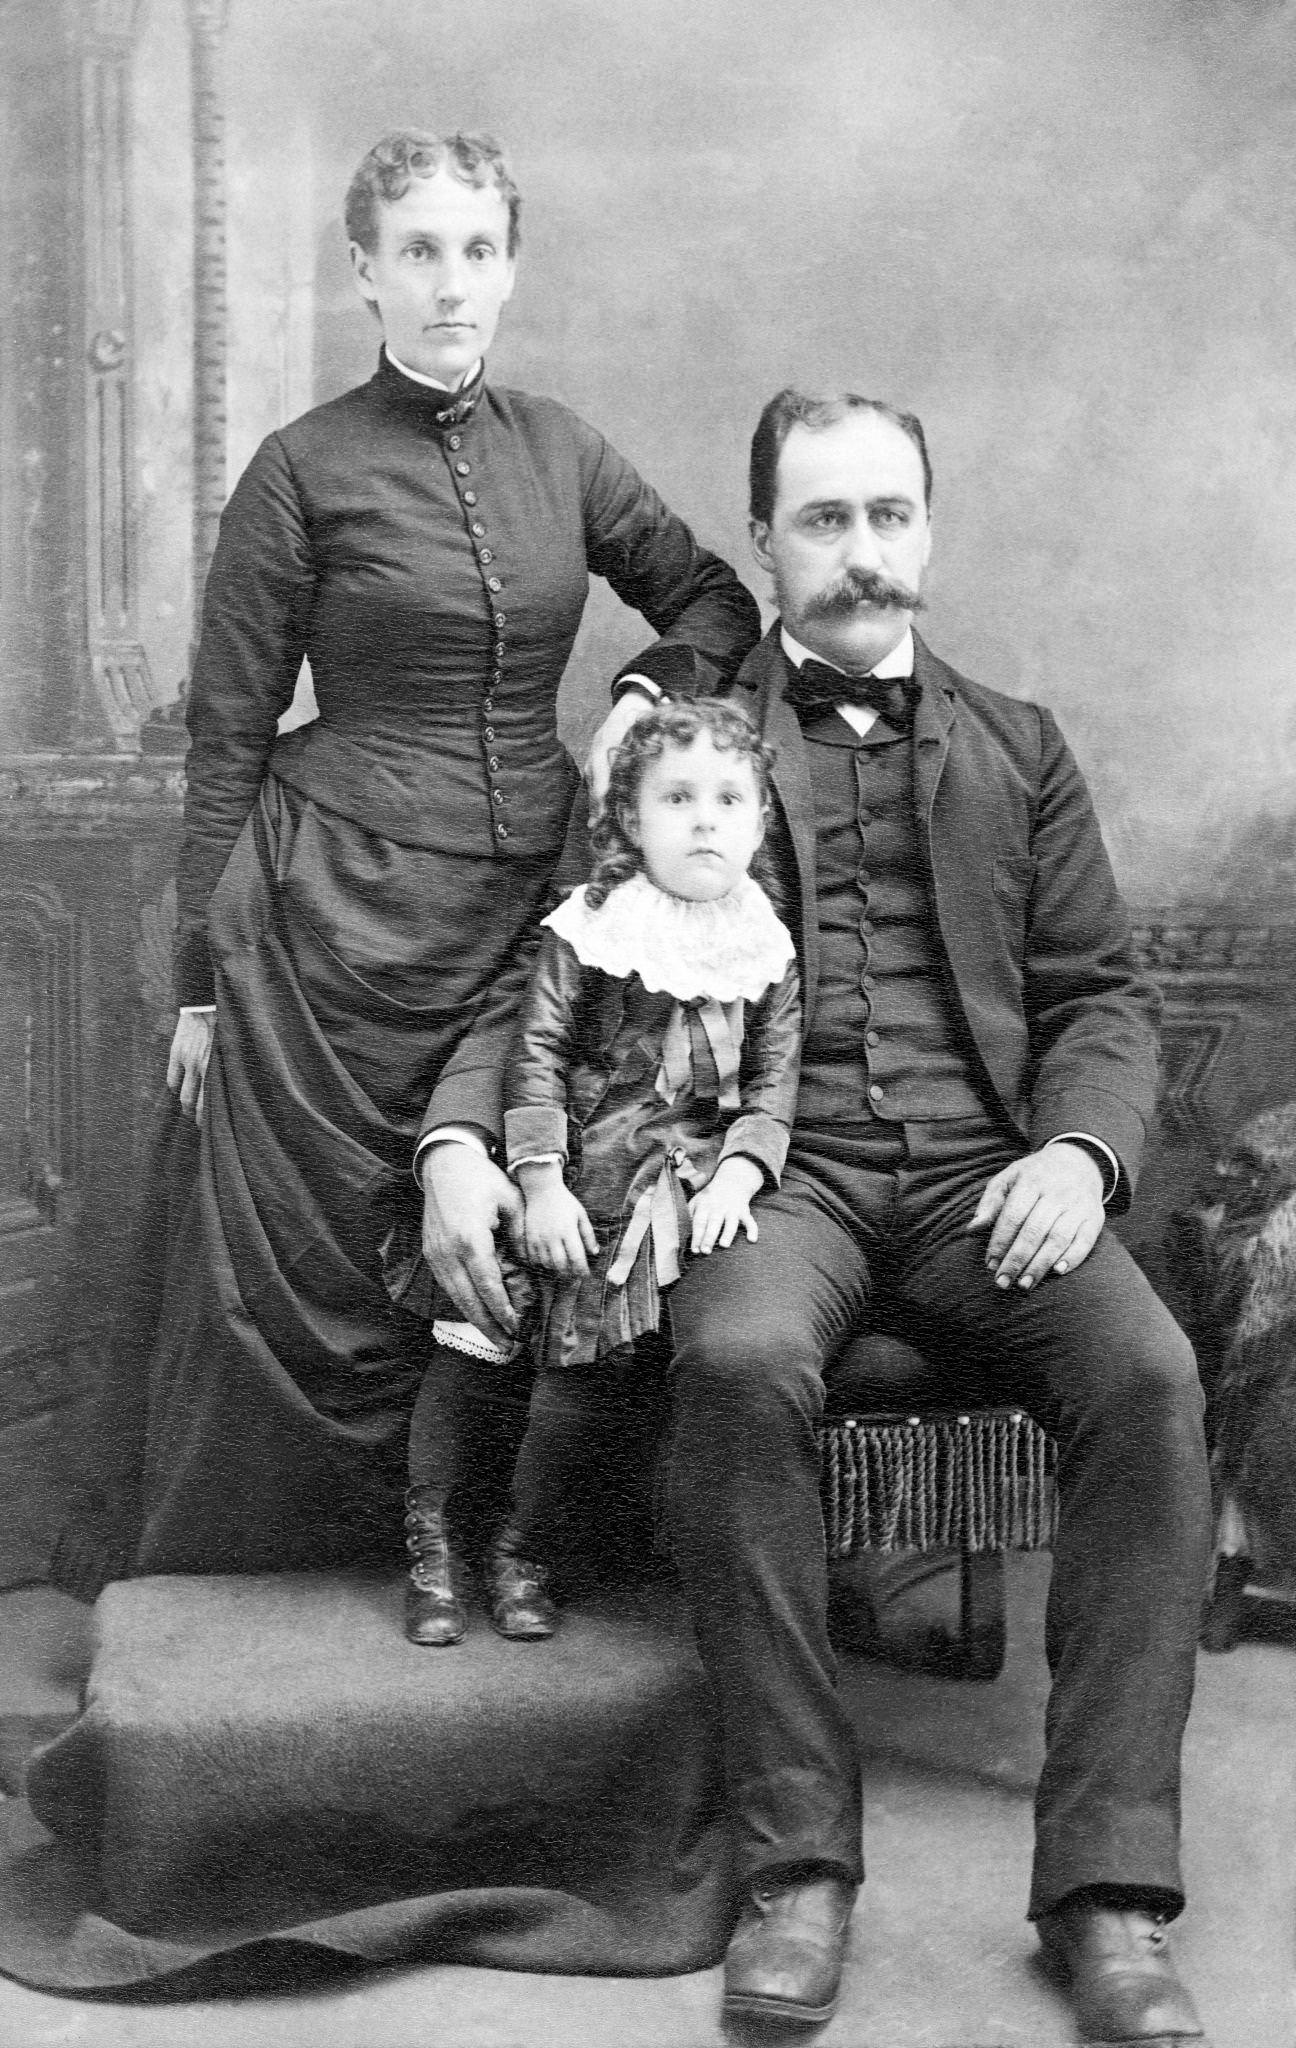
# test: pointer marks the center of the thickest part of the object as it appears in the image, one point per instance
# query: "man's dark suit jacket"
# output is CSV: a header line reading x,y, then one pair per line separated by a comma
x,y
1035,933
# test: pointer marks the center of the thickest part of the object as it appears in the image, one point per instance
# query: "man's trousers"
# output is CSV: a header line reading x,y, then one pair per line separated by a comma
x,y
1092,1354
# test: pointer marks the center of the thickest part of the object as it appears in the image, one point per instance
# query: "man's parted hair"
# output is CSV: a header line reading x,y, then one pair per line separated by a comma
x,y
616,857
790,409
386,173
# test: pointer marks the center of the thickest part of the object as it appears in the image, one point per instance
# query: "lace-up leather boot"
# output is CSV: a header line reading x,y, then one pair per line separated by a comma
x,y
1121,1975
520,1608
434,1611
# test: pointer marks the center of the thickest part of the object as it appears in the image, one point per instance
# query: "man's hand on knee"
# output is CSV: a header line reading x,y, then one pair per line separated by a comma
x,y
1044,1214
466,1201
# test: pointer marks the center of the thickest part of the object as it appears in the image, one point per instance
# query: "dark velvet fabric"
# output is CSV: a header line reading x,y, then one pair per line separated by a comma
x,y
435,582
265,1764
271,1434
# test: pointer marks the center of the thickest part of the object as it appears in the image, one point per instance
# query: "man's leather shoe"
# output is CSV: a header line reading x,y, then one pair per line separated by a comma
x,y
520,1608
785,1959
1123,1985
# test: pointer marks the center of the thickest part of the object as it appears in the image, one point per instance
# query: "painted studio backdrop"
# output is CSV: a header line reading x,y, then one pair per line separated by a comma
x,y
1062,234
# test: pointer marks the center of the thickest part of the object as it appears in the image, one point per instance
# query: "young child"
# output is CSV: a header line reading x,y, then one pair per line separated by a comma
x,y
649,1097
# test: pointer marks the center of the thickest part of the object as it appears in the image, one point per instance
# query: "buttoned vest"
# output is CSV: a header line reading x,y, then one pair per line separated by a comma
x,y
886,1040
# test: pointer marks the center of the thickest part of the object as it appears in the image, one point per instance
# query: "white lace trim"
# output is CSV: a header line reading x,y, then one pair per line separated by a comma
x,y
467,1337
733,947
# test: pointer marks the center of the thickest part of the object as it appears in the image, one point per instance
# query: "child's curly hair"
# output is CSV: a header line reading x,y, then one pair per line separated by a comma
x,y
616,857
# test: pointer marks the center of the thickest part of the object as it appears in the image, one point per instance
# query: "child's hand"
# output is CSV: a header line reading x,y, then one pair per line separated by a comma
x,y
557,1231
725,1202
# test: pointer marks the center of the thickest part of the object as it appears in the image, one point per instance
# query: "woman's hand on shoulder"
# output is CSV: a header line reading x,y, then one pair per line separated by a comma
x,y
629,708
191,1047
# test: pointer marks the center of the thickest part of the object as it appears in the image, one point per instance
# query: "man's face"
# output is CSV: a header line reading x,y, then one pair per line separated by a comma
x,y
849,539
440,275
698,819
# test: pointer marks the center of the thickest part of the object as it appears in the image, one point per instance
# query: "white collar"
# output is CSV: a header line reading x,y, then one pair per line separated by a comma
x,y
733,947
432,383
900,661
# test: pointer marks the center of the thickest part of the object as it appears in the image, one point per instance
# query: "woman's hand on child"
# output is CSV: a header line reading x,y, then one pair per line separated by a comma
x,y
560,1238
724,1204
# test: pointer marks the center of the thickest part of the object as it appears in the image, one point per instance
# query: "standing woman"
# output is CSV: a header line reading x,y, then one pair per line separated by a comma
x,y
354,897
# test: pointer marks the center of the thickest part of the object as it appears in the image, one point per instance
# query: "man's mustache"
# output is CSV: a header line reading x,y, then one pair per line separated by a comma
x,y
863,586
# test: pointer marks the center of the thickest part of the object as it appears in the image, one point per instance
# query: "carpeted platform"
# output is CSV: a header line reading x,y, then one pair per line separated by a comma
x,y
263,1762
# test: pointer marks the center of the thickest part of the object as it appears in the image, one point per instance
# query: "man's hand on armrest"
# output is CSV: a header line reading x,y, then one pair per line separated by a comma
x,y
466,1200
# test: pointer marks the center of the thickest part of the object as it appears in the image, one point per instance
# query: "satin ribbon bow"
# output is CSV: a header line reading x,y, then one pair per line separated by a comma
x,y
722,1025
662,1208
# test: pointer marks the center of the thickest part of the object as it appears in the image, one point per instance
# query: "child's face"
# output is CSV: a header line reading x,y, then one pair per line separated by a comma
x,y
698,820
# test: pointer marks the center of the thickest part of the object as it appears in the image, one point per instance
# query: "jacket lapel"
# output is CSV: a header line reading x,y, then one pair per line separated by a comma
x,y
933,722
765,673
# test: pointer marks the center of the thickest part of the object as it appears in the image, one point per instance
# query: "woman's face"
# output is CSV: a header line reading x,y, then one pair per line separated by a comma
x,y
440,275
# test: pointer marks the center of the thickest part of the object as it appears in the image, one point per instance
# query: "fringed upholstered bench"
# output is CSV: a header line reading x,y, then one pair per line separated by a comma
x,y
903,1470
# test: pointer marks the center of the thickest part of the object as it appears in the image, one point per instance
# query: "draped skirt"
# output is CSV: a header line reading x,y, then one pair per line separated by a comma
x,y
262,1381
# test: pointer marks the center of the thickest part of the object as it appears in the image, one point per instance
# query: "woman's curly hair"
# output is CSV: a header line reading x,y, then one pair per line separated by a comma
x,y
616,857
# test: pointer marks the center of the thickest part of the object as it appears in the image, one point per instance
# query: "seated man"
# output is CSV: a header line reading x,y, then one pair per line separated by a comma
x,y
978,1072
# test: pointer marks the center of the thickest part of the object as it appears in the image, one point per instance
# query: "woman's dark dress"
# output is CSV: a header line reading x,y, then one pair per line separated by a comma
x,y
356,909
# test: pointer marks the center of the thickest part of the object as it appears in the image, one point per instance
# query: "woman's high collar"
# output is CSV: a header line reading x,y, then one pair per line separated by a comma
x,y
440,410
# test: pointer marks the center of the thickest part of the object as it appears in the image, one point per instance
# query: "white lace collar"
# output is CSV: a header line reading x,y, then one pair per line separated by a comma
x,y
733,947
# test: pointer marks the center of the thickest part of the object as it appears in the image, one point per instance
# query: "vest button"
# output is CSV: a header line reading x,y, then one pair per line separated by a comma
x,y
463,469
493,763
501,830
875,1093
485,555
470,497
497,796
863,877
477,526
488,705
456,440
501,618
499,650
866,926
872,1038
493,583
497,677
489,733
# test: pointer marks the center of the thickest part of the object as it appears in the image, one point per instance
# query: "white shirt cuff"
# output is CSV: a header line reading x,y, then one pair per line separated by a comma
x,y
449,1134
197,1009
1087,1138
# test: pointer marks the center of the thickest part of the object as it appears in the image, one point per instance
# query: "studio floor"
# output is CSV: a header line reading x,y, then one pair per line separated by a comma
x,y
941,1956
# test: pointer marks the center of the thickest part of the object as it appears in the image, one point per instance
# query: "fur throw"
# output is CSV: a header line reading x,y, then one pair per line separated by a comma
x,y
1253,1236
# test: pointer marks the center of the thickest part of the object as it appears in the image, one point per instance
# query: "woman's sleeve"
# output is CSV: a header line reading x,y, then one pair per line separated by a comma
x,y
254,620
771,1068
706,621
535,1082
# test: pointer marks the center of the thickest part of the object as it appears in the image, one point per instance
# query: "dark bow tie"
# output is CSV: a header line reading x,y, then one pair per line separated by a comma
x,y
814,688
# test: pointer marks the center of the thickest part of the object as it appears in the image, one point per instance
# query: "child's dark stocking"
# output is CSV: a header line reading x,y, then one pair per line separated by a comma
x,y
434,1609
583,1490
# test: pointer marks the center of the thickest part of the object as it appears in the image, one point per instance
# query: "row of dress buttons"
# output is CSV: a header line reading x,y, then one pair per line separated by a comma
x,y
499,619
